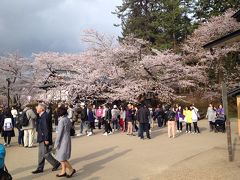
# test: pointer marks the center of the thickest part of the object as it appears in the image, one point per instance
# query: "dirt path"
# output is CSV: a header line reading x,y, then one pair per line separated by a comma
x,y
122,157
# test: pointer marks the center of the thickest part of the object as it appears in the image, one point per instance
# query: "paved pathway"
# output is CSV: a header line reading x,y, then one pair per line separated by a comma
x,y
121,157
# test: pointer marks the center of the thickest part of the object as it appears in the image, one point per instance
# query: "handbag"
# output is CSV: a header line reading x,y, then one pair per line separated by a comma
x,y
4,175
181,119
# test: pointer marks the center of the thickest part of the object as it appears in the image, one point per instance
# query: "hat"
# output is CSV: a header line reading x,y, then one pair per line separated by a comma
x,y
114,106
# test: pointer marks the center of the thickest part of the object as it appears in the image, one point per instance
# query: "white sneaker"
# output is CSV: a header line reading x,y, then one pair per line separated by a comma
x,y
89,134
180,131
177,130
186,131
105,134
80,134
110,133
5,144
189,132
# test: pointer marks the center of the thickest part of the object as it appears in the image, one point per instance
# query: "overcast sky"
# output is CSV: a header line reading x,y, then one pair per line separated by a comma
x,y
32,26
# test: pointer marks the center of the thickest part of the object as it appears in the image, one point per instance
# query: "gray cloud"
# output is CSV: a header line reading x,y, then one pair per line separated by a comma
x,y
53,25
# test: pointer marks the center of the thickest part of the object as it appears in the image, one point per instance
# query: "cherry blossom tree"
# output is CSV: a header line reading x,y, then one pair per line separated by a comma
x,y
17,70
216,60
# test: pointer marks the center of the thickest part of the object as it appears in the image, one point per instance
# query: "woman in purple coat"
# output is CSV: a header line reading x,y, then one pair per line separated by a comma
x,y
179,118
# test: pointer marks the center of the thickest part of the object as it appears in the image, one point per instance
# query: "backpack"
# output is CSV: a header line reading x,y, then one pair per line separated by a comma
x,y
170,116
7,126
23,119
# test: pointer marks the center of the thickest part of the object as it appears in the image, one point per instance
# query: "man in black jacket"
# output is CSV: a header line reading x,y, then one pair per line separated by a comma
x,y
44,138
143,118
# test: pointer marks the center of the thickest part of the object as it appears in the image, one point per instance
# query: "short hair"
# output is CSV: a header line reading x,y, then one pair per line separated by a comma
x,y
62,111
43,106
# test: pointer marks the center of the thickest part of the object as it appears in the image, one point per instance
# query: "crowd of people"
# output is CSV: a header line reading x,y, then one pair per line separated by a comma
x,y
132,120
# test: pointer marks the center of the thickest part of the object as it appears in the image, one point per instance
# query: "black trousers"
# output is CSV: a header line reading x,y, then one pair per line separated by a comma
x,y
144,127
100,122
108,128
212,125
196,129
188,127
7,139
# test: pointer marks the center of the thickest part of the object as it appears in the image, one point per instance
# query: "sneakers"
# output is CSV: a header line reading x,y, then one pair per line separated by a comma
x,y
79,134
110,133
178,131
89,134
105,134
5,144
186,132
189,132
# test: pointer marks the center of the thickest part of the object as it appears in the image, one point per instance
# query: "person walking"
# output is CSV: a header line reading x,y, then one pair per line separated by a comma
x,y
29,130
44,138
211,116
7,127
143,118
63,143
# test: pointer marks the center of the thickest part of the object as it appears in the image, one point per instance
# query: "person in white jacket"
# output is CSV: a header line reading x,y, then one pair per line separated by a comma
x,y
195,117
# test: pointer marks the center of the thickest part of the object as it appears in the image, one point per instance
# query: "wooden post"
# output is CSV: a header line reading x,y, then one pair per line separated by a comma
x,y
228,124
238,110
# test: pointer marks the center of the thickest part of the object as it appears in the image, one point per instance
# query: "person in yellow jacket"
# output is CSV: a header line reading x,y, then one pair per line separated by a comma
x,y
188,119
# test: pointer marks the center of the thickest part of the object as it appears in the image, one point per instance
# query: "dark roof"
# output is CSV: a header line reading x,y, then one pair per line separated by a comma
x,y
229,38
234,92
232,37
237,16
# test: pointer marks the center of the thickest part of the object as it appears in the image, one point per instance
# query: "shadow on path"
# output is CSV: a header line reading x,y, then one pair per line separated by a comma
x,y
91,168
74,161
93,155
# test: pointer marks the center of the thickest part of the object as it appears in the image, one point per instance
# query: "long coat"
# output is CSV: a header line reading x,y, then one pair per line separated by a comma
x,y
211,114
63,140
143,115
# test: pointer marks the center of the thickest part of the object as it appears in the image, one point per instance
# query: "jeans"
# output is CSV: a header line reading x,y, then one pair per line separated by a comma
x,y
115,125
20,137
144,127
83,124
179,125
90,126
